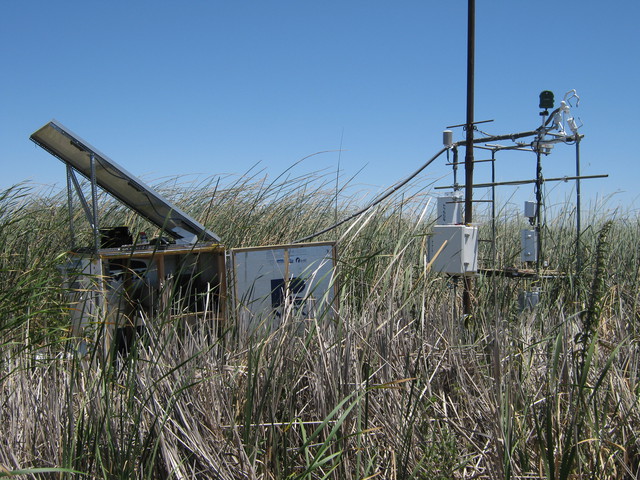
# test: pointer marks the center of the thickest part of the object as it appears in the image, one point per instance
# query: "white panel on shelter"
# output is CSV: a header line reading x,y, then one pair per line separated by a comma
x,y
271,282
311,278
254,271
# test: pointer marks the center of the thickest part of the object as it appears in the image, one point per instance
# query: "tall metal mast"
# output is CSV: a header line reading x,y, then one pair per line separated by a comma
x,y
468,158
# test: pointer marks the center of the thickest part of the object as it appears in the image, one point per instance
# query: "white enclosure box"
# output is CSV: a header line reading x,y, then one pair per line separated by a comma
x,y
453,249
529,243
450,209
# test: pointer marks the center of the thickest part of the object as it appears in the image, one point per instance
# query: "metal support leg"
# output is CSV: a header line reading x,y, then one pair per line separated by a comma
x,y
83,201
578,226
94,201
70,207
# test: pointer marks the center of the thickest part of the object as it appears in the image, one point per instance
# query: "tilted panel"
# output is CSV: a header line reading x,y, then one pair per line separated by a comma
x,y
74,151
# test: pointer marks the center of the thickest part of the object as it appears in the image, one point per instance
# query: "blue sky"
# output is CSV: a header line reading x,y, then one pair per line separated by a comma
x,y
202,88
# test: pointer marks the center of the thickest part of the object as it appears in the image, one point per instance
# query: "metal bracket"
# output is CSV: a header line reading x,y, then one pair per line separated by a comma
x,y
90,213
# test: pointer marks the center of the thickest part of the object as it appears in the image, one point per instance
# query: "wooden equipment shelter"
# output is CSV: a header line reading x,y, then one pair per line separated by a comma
x,y
185,273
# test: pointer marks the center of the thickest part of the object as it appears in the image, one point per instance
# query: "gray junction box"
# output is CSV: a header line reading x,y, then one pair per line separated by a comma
x,y
529,243
453,249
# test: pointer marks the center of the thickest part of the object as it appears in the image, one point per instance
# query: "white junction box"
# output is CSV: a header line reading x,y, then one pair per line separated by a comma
x,y
453,249
450,209
529,243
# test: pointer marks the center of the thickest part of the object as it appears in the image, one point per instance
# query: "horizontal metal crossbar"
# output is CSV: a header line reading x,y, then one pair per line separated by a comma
x,y
526,182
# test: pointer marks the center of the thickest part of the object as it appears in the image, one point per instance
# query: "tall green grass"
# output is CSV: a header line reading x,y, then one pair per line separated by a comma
x,y
396,386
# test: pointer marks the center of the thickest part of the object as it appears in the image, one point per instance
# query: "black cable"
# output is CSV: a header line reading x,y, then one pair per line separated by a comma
x,y
553,114
393,189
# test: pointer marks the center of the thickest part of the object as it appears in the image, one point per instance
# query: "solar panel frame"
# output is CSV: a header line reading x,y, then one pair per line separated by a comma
x,y
72,150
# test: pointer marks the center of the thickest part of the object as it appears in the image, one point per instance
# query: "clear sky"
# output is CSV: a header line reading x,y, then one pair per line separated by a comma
x,y
212,87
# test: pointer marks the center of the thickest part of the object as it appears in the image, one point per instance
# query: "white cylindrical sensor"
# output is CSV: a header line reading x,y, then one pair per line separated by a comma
x,y
447,138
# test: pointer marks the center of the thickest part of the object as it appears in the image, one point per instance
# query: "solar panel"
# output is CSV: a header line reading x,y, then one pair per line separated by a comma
x,y
74,151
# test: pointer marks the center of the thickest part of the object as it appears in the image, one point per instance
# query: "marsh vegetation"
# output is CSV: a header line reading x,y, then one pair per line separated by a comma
x,y
397,386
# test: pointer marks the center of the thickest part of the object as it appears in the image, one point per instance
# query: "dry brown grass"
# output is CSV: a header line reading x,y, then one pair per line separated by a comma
x,y
398,386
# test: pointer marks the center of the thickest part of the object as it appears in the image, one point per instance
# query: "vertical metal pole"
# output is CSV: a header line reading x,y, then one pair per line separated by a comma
x,y
493,208
578,226
538,207
468,158
494,255
538,190
456,187
72,229
94,201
